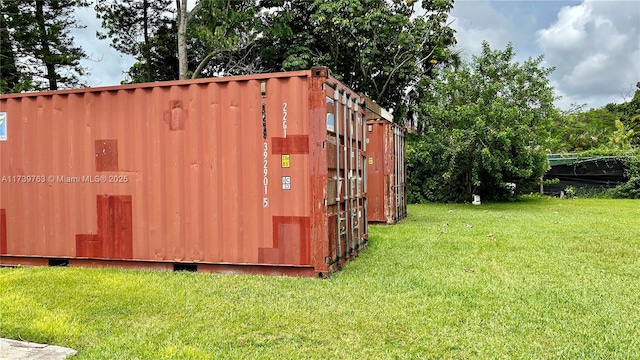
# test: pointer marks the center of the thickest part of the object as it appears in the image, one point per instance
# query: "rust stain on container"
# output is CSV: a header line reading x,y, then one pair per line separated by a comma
x,y
114,238
176,116
291,240
294,144
187,173
386,170
106,155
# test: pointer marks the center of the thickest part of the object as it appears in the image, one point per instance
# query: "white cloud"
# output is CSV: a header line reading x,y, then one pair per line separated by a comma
x,y
568,32
596,49
594,44
106,66
478,21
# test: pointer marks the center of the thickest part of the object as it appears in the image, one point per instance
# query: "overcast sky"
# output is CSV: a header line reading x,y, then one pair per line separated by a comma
x,y
594,44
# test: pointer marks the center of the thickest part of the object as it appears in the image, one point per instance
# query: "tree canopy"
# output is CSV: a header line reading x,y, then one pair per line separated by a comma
x,y
223,36
38,46
377,47
611,127
484,124
141,28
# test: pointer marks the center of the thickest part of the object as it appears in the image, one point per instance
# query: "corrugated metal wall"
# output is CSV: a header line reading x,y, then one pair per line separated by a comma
x,y
347,171
228,170
386,169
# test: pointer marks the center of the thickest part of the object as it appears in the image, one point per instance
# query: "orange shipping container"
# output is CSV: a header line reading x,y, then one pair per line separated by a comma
x,y
386,169
261,173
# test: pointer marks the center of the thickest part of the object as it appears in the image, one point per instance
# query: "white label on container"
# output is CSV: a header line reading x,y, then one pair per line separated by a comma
x,y
330,123
3,126
286,183
284,119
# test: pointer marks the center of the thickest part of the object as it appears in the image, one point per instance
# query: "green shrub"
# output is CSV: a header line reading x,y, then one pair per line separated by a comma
x,y
426,167
629,190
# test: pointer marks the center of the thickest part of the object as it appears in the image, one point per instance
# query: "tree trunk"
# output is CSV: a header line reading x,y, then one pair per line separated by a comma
x,y
46,51
182,38
146,51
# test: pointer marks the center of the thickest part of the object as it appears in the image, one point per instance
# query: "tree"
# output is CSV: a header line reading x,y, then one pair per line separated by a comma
x,y
184,17
628,113
611,127
12,77
288,39
215,37
39,42
376,47
223,34
138,28
182,21
485,124
161,59
578,129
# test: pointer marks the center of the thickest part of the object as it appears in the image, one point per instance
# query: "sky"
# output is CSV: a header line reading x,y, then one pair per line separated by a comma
x,y
593,44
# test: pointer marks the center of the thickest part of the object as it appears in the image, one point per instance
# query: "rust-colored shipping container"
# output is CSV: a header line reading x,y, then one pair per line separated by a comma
x,y
260,174
386,169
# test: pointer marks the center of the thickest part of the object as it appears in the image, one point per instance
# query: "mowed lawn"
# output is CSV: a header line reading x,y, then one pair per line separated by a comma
x,y
537,279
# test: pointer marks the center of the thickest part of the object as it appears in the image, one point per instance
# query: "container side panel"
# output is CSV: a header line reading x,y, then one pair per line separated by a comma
x,y
257,182
210,172
286,170
194,247
390,152
3,232
376,166
213,149
55,222
134,164
230,157
401,174
317,105
174,136
149,200
73,123
252,215
386,172
47,155
88,245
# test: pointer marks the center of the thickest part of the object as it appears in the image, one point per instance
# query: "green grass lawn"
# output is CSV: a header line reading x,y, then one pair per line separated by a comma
x,y
538,279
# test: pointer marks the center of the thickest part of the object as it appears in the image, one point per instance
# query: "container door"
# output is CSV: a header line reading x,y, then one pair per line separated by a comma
x,y
346,196
360,215
402,167
335,179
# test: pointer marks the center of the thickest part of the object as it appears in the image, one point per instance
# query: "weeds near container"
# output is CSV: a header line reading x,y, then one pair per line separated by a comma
x,y
541,278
